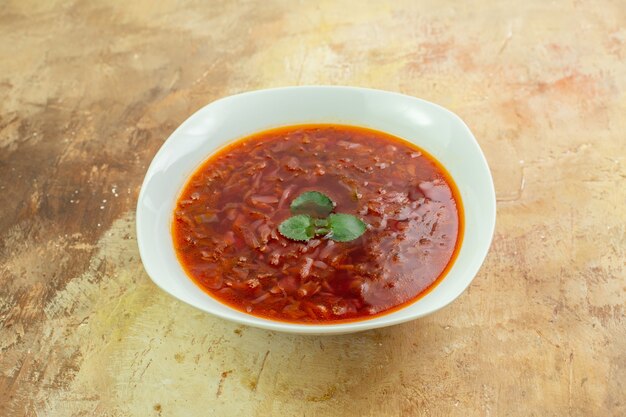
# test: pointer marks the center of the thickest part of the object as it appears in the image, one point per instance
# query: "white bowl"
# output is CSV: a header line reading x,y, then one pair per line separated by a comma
x,y
431,127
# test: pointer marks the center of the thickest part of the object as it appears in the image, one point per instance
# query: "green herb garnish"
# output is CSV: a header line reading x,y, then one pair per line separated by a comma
x,y
345,227
312,203
298,227
313,217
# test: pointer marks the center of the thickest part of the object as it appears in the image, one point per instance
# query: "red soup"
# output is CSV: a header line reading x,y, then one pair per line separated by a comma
x,y
389,228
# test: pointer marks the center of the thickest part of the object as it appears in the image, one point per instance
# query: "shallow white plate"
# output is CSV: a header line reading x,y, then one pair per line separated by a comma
x,y
431,127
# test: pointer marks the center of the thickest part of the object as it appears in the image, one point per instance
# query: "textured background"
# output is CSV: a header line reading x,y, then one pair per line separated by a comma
x,y
91,89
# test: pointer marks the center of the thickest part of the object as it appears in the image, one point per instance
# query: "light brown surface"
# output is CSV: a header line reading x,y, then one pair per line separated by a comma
x,y
91,90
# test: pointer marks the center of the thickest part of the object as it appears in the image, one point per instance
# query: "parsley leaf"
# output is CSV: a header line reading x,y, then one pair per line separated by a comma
x,y
312,203
298,227
345,227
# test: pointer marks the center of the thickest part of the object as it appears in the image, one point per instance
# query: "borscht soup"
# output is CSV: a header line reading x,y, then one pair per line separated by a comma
x,y
318,224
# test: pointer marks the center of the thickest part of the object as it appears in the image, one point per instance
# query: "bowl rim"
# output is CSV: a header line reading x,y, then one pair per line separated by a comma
x,y
314,328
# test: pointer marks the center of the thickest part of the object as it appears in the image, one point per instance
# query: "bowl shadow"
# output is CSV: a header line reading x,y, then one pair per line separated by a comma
x,y
344,372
